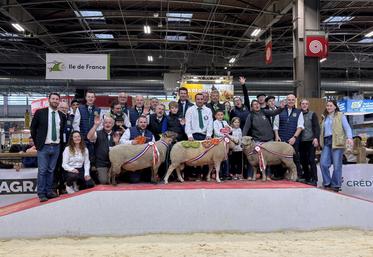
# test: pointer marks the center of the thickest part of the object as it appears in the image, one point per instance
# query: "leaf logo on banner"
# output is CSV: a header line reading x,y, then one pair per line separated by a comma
x,y
56,66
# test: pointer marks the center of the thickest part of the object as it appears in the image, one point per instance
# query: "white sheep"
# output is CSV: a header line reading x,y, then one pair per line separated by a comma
x,y
274,153
120,156
181,156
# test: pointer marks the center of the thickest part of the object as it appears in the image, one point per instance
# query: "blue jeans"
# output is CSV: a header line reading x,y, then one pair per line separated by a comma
x,y
331,156
47,159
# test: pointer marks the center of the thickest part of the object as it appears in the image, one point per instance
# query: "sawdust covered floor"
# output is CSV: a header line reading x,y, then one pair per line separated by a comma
x,y
301,244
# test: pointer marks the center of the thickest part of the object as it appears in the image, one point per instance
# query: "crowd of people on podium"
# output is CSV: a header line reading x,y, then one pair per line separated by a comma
x,y
73,141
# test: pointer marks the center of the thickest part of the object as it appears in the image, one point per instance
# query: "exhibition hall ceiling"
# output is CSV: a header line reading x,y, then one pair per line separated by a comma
x,y
199,36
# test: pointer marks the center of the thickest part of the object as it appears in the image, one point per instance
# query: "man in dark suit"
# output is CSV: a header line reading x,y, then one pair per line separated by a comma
x,y
183,102
47,132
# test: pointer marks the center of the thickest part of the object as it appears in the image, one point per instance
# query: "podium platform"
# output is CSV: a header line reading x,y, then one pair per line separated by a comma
x,y
234,206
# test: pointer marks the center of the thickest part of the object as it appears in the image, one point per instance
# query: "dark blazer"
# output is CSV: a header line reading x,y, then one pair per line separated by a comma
x,y
219,106
39,127
180,108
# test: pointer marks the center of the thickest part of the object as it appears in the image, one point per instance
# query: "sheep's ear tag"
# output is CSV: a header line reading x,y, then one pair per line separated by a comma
x,y
257,148
226,140
151,143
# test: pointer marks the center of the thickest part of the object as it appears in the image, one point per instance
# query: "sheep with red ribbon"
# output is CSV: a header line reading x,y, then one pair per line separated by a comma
x,y
198,153
269,153
140,156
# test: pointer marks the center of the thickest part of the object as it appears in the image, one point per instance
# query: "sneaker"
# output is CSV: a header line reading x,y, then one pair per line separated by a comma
x,y
52,195
70,190
75,187
336,189
43,198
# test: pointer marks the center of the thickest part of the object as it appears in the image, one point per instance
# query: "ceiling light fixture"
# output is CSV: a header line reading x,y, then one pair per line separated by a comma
x,y
370,34
323,60
150,58
18,27
256,32
147,29
232,60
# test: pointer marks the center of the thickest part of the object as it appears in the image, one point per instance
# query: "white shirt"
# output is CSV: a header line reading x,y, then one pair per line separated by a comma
x,y
237,135
76,160
192,121
218,126
76,121
125,139
300,123
49,140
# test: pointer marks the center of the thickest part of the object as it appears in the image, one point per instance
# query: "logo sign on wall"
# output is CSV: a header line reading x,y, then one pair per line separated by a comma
x,y
356,106
268,51
78,66
316,46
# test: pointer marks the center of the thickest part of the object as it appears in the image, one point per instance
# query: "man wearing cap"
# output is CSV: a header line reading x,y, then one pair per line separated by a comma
x,y
270,102
74,112
240,109
277,171
261,99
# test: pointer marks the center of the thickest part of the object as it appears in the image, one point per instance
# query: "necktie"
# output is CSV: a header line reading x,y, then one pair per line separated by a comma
x,y
54,128
222,124
89,115
200,120
183,109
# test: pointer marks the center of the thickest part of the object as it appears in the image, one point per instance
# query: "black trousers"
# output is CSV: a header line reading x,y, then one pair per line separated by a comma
x,y
307,158
78,177
297,159
235,162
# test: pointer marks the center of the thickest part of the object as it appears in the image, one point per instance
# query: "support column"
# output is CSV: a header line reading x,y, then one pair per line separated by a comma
x,y
306,17
6,106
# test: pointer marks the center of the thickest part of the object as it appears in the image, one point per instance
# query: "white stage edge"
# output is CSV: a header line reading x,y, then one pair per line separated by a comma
x,y
123,213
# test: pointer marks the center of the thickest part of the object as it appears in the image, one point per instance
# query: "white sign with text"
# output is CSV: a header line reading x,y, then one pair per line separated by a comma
x,y
357,180
78,66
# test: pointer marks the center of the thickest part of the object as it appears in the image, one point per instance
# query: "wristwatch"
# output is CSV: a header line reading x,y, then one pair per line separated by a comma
x,y
295,136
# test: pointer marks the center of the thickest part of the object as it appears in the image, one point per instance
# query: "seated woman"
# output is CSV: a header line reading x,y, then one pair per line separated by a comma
x,y
75,161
